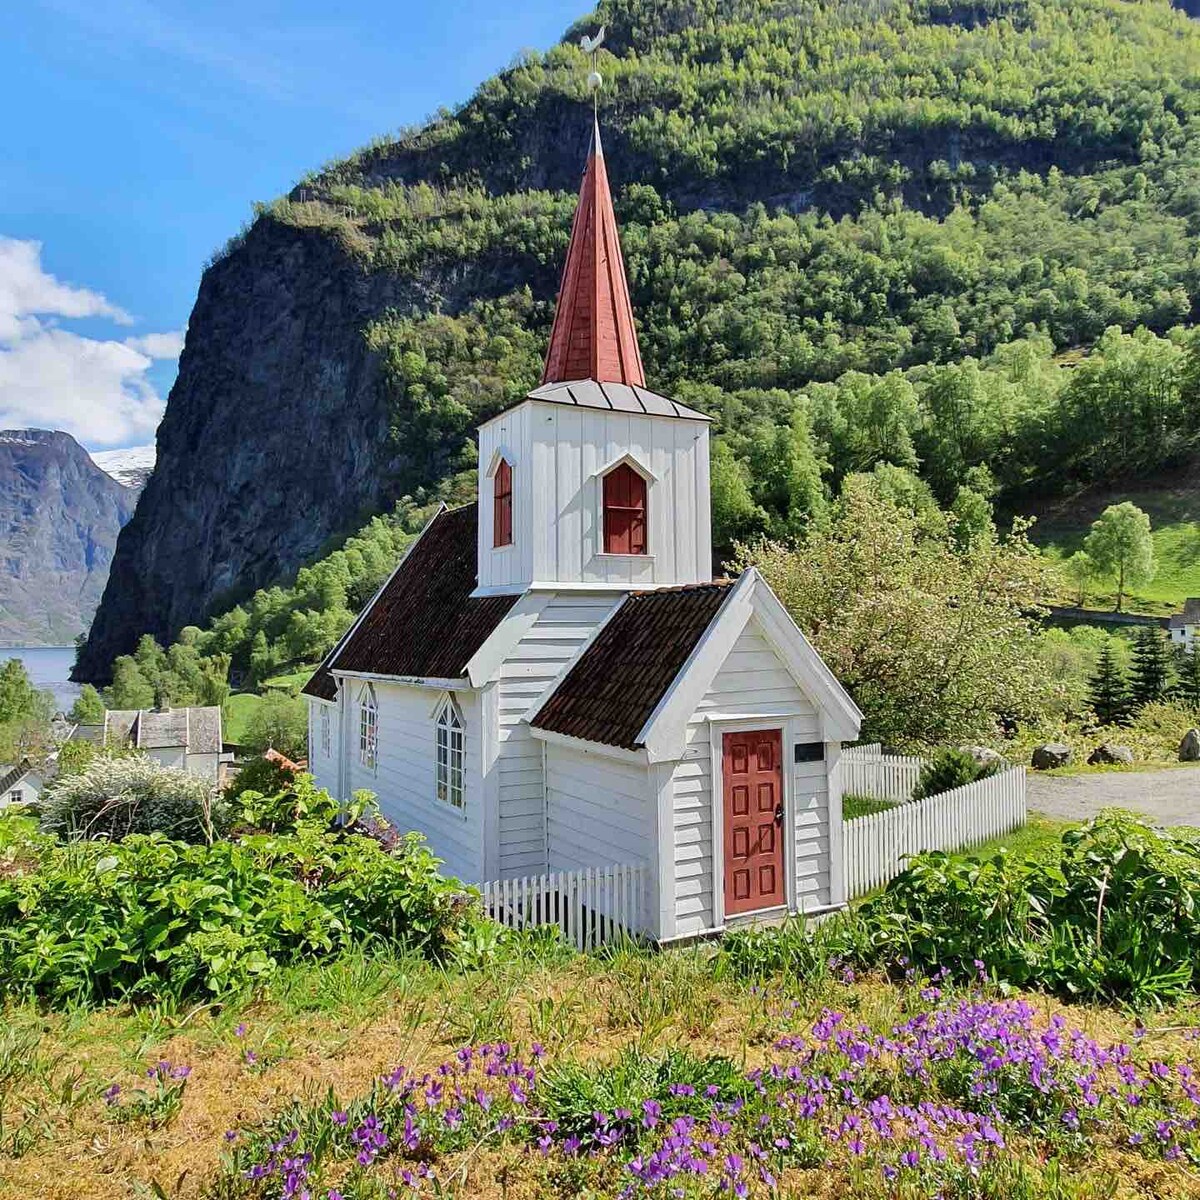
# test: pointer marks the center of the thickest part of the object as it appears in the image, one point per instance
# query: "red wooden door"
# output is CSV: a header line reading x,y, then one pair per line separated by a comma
x,y
753,775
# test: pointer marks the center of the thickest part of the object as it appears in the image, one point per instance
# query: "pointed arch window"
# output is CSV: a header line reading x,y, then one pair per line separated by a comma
x,y
624,511
502,505
450,755
368,728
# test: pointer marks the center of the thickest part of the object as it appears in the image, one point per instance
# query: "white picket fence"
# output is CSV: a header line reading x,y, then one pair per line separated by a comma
x,y
593,907
875,847
867,771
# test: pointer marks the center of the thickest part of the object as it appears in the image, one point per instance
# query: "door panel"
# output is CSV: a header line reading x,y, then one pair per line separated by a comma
x,y
752,770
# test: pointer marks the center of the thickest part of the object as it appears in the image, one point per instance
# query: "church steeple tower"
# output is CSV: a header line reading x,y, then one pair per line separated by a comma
x,y
594,335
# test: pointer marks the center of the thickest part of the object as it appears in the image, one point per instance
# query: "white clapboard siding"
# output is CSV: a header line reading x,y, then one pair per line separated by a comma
x,y
558,455
598,810
403,778
876,847
867,771
593,907
562,627
751,681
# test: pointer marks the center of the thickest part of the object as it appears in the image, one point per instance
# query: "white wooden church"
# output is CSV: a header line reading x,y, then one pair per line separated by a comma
x,y
551,680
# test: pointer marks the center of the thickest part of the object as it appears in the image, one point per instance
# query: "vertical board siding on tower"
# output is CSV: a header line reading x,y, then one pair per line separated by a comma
x,y
598,810
559,452
752,680
562,627
508,565
404,778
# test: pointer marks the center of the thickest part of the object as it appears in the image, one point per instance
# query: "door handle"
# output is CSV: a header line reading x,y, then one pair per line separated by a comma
x,y
779,813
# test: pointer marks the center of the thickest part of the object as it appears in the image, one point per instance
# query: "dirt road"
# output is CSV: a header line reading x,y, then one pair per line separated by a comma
x,y
1168,797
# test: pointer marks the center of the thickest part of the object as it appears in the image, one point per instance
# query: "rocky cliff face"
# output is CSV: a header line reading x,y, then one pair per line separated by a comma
x,y
59,516
272,441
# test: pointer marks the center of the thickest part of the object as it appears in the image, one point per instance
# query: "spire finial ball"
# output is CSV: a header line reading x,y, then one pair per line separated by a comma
x,y
595,81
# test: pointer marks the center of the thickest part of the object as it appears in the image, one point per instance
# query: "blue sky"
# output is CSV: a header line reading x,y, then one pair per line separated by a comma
x,y
139,132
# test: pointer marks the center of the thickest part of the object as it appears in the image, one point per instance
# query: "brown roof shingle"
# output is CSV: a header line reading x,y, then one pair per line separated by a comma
x,y
321,683
425,622
610,692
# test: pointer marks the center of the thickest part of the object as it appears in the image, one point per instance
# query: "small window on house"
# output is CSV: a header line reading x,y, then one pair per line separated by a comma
x,y
624,511
326,741
450,755
15,796
502,505
368,729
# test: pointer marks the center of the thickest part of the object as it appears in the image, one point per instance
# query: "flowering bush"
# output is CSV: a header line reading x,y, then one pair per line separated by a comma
x,y
119,794
930,1107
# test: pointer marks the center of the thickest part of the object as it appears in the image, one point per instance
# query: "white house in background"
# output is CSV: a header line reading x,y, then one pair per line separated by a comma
x,y
20,784
187,738
1182,626
551,680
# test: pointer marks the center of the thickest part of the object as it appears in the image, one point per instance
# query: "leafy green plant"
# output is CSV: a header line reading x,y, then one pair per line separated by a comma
x,y
1115,917
155,1105
948,769
150,918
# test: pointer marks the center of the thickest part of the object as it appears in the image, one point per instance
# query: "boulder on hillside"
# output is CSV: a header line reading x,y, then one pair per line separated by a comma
x,y
1049,755
984,756
1189,748
1109,754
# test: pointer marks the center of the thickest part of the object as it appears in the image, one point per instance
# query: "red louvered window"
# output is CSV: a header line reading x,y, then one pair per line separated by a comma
x,y
502,506
624,511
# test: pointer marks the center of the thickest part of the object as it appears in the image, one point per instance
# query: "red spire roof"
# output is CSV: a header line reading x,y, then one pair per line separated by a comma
x,y
593,335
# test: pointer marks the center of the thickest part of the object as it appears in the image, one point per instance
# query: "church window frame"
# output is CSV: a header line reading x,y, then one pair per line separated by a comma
x,y
450,756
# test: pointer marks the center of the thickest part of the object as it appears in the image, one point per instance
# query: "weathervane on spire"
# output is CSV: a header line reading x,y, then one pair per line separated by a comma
x,y
591,45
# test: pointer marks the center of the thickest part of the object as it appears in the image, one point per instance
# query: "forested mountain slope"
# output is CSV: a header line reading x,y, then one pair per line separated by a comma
x,y
857,233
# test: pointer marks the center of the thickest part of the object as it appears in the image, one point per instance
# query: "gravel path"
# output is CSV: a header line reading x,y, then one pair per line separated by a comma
x,y
1170,797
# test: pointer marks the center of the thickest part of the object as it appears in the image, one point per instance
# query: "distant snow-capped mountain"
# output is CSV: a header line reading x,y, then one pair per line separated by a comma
x,y
130,467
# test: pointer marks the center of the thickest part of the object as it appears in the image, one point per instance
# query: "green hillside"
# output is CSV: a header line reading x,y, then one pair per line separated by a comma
x,y
1173,505
858,234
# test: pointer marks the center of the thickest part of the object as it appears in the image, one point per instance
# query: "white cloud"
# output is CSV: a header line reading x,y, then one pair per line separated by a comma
x,y
94,388
158,345
26,290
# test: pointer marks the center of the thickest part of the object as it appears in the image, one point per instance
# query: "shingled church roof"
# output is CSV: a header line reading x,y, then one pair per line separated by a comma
x,y
615,685
424,623
594,335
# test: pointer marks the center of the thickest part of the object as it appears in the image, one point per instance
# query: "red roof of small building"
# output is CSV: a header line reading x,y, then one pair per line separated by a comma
x,y
593,335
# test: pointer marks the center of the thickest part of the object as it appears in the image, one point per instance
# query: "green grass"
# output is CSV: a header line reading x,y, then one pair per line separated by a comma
x,y
1174,512
863,806
1037,839
290,680
237,712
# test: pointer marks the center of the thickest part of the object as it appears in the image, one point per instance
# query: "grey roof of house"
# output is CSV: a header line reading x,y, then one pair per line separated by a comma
x,y
88,733
196,730
160,730
614,397
119,725
1191,610
204,730
13,775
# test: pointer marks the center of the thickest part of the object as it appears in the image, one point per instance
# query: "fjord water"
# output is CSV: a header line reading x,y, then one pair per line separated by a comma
x,y
49,667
